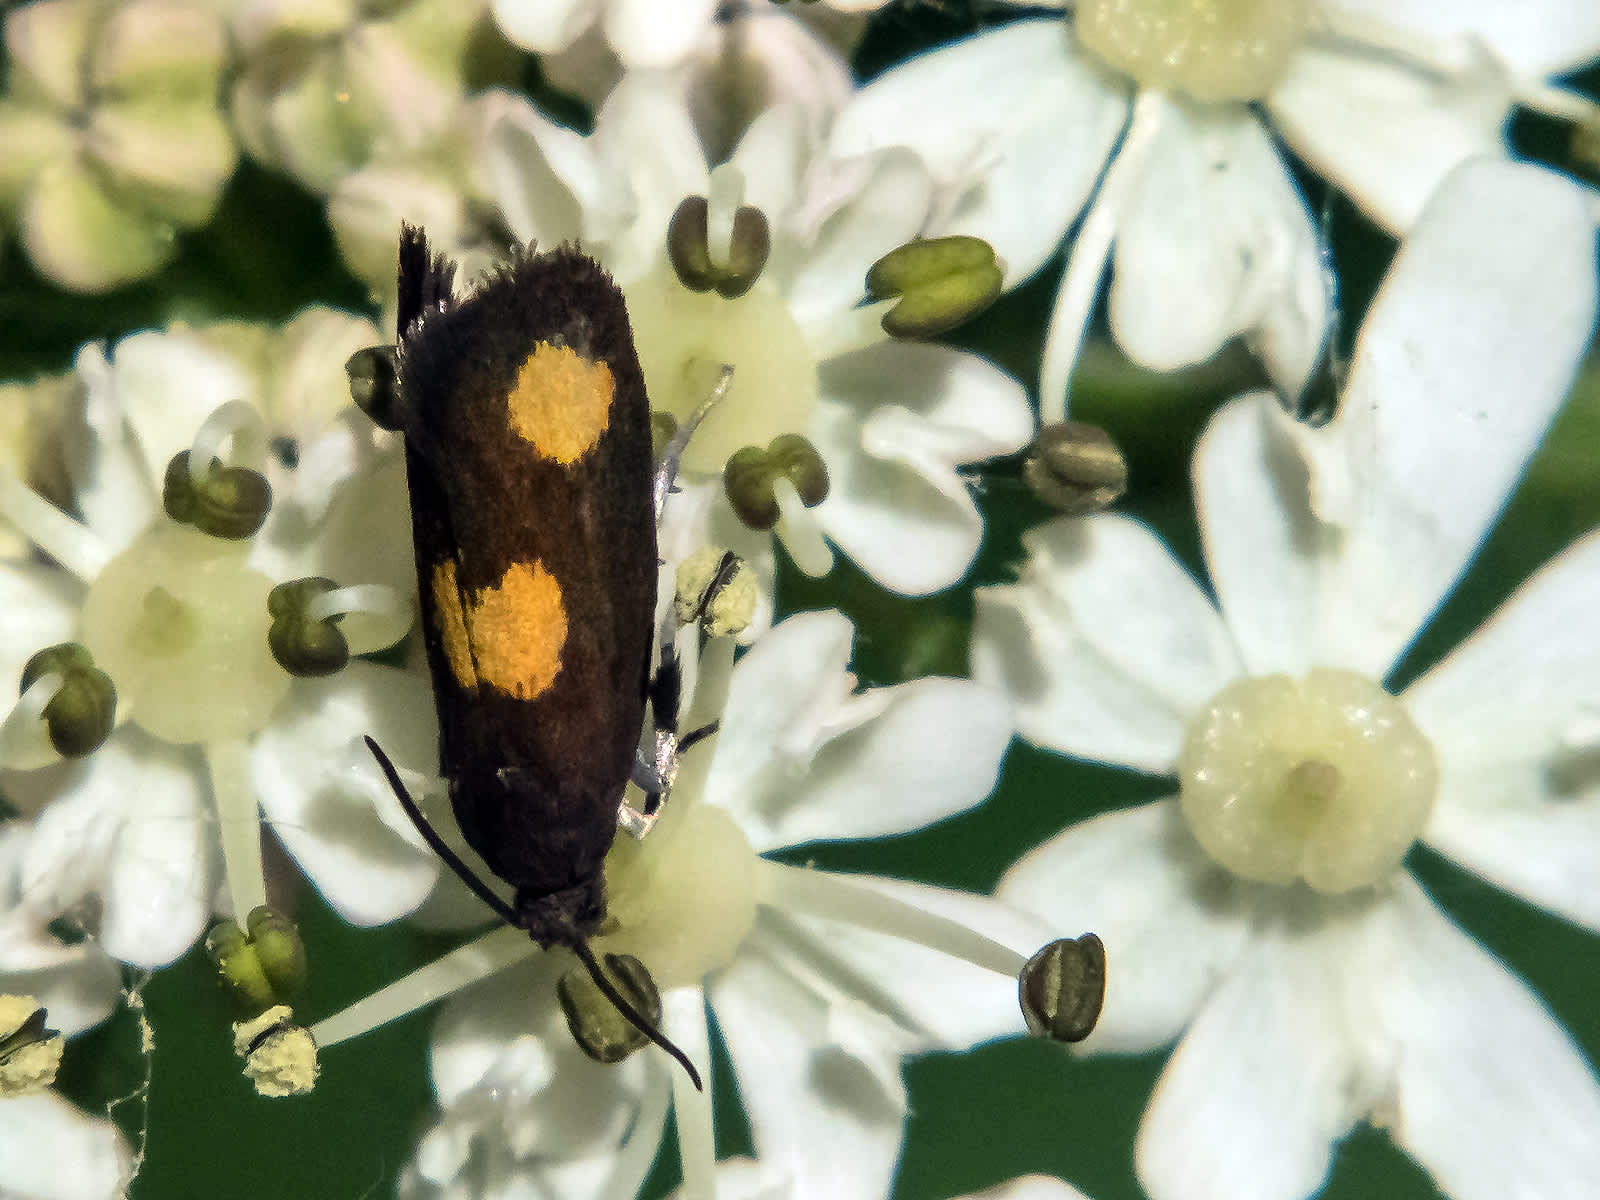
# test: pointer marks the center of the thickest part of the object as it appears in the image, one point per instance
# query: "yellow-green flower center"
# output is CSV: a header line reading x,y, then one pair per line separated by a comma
x,y
683,339
1207,49
684,898
179,622
1323,779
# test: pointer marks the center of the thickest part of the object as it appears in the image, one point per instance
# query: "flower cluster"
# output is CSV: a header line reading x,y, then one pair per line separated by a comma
x,y
270,728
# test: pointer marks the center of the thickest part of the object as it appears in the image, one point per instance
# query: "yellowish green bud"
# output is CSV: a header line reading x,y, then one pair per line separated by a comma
x,y
941,283
262,967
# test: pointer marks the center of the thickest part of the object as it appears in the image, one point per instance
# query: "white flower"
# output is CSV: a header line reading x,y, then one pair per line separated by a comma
x,y
50,1149
820,984
1263,915
54,1151
134,821
748,1179
326,86
648,33
1147,113
112,137
892,421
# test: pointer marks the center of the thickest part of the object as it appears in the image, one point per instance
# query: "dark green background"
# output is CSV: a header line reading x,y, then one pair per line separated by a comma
x,y
977,1118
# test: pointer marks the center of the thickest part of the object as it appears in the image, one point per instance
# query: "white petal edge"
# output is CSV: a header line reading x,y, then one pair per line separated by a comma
x,y
1491,1096
1462,362
1533,37
326,799
1214,241
1263,1083
1265,548
54,1151
1016,123
1173,922
1105,646
1386,132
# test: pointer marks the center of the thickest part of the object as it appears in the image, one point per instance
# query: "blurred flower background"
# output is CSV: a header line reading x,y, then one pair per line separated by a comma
x,y
201,204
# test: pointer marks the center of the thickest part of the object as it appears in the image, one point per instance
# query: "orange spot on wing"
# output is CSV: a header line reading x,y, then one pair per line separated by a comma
x,y
519,628
561,402
452,624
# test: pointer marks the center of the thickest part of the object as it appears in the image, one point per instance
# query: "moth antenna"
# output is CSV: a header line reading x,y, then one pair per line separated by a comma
x,y
430,835
634,1016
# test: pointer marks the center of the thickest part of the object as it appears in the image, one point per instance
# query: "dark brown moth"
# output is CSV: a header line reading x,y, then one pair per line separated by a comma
x,y
531,476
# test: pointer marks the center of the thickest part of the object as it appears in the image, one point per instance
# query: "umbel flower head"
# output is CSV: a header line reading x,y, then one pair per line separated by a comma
x,y
1145,118
166,688
832,432
1263,915
819,983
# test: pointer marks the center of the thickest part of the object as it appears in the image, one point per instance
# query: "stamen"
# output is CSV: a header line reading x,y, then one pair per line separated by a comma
x,y
466,965
800,531
379,615
236,421
47,527
24,736
238,825
697,1148
835,897
1090,250
723,199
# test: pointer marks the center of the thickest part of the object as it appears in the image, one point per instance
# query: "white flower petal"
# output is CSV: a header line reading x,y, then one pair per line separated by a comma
x,y
168,383
894,424
933,752
1265,549
41,607
1016,122
54,1151
919,995
545,26
327,800
783,697
1525,827
1491,1096
800,1091
647,33
1029,1187
1171,920
508,1031
1464,357
1263,1082
546,178
1385,131
1215,241
1532,37
1527,682
851,214
645,128
130,825
1105,646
